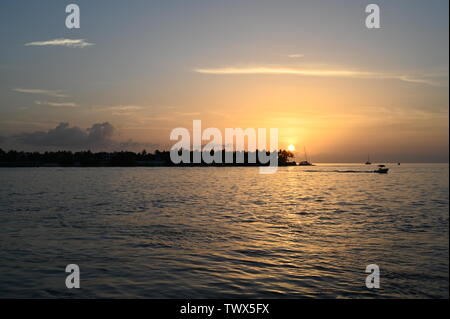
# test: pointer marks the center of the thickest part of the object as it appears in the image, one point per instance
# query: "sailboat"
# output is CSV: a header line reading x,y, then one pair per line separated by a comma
x,y
305,162
368,160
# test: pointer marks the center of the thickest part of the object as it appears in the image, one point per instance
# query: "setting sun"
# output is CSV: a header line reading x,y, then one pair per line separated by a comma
x,y
291,148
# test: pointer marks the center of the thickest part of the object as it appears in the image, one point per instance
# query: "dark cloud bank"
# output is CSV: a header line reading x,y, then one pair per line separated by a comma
x,y
99,137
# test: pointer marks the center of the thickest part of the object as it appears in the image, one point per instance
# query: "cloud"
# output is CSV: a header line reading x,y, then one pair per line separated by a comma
x,y
295,56
183,114
429,79
282,70
65,136
98,137
70,43
50,93
56,104
122,110
424,79
126,108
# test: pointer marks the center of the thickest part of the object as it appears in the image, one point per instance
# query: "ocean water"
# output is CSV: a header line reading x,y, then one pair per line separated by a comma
x,y
304,232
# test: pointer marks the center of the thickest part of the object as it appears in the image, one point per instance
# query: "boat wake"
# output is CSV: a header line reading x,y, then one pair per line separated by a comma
x,y
337,171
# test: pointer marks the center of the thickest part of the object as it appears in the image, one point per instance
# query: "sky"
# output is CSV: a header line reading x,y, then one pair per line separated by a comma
x,y
135,70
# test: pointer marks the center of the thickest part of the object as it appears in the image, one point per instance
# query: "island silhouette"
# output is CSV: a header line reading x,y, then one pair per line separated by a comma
x,y
88,158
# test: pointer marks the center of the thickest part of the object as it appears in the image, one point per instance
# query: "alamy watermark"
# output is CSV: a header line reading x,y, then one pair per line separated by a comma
x,y
73,17
220,150
373,279
373,17
73,280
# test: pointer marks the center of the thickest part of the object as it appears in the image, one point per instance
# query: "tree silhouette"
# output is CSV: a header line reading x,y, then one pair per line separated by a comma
x,y
123,158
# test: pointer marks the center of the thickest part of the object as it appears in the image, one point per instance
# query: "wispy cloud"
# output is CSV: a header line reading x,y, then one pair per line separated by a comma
x,y
57,104
130,111
284,70
126,108
295,56
186,113
429,79
121,110
70,43
51,93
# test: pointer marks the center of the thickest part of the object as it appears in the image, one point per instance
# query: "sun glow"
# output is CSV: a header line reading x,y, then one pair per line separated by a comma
x,y
291,148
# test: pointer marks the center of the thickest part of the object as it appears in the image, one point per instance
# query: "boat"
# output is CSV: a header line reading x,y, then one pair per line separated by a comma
x,y
382,169
305,162
368,160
